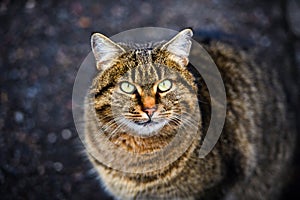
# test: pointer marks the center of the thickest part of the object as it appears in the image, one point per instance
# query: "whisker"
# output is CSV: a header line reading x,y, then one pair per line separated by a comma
x,y
132,115
109,125
188,121
121,125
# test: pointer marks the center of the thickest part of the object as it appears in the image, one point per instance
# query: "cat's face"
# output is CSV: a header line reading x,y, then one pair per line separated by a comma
x,y
142,91
149,97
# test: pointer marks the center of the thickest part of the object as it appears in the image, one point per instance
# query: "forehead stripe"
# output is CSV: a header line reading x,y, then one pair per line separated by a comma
x,y
143,56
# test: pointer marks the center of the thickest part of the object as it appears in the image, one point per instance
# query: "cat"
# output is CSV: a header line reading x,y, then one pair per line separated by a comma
x,y
143,94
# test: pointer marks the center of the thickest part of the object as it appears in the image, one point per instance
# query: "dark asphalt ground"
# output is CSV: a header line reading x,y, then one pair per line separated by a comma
x,y
42,44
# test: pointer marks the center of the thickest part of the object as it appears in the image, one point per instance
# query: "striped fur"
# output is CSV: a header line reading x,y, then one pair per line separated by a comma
x,y
243,164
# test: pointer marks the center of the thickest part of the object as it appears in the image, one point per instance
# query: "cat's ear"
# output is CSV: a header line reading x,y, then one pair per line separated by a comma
x,y
105,51
180,46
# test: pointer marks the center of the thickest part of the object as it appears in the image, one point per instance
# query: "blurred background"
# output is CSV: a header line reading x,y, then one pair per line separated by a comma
x,y
42,44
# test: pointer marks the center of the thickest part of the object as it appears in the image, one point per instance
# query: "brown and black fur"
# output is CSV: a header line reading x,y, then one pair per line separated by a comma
x,y
248,161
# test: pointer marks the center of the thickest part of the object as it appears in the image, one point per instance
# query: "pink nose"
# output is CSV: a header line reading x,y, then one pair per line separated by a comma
x,y
149,111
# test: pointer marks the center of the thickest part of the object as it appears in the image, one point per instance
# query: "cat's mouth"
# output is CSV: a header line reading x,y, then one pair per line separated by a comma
x,y
146,127
146,123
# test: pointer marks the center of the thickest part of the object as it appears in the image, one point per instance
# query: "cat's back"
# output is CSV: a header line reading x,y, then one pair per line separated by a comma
x,y
258,117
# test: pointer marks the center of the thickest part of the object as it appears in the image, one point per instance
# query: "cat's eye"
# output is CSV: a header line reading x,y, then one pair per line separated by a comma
x,y
127,87
164,85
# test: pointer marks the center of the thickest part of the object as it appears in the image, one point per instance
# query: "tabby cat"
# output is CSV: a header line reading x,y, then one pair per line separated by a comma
x,y
144,94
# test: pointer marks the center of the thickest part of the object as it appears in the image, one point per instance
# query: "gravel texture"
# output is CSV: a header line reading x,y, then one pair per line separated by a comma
x,y
43,44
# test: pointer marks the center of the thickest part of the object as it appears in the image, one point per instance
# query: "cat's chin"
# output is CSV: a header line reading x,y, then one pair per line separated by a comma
x,y
146,129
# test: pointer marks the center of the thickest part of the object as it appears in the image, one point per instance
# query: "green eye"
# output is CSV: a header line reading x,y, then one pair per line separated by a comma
x,y
127,87
164,85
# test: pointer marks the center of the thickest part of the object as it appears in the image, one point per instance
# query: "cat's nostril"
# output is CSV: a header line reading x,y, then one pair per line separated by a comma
x,y
150,111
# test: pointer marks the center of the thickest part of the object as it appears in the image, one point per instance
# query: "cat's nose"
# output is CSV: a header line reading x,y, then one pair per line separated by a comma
x,y
150,111
149,106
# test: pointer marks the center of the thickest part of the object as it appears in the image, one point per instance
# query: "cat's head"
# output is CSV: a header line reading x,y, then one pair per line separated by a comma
x,y
143,89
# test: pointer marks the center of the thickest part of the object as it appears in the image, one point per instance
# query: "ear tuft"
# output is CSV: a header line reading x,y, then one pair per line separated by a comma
x,y
105,51
180,46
